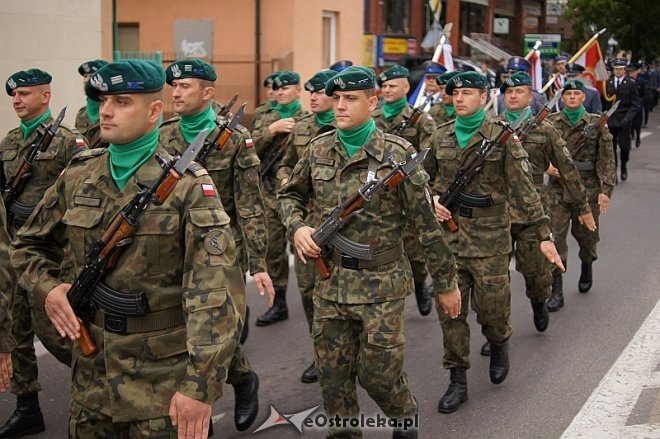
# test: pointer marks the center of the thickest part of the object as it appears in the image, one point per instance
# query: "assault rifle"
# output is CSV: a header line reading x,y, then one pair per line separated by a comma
x,y
412,120
474,163
226,129
119,234
274,161
531,122
327,233
589,128
15,186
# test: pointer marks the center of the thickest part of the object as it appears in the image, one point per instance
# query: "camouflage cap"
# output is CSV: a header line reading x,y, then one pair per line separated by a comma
x,y
341,65
190,68
125,77
285,78
434,68
394,72
352,78
516,80
317,82
442,79
518,64
466,80
27,78
268,82
574,84
90,67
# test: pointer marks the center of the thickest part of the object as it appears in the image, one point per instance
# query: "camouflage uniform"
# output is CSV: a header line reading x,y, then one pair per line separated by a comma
x,y
91,131
258,114
7,342
595,160
27,319
483,241
359,313
544,146
276,255
184,260
235,172
439,113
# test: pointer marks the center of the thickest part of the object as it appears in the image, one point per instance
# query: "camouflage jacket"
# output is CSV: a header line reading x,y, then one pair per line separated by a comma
x,y
235,172
258,114
545,146
90,131
418,135
596,152
505,172
439,113
303,132
182,255
7,342
327,175
47,166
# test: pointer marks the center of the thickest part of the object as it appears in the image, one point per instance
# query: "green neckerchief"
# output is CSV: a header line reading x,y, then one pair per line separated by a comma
x,y
511,115
92,110
574,115
466,127
288,110
28,126
451,111
192,125
126,159
353,140
325,118
391,110
272,104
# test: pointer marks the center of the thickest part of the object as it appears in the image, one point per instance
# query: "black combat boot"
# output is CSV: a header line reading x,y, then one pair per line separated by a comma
x,y
456,392
499,362
557,299
310,375
541,315
277,312
26,419
246,326
246,396
485,349
624,172
424,296
586,278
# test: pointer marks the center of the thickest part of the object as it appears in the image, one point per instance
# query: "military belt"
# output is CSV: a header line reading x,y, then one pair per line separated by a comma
x,y
154,321
481,212
584,166
117,302
21,212
379,259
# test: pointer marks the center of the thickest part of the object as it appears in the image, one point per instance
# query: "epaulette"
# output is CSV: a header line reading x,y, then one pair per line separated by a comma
x,y
197,169
88,154
398,140
242,130
306,116
329,130
444,124
170,121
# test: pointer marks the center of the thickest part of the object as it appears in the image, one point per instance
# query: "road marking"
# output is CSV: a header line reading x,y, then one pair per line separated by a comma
x,y
607,410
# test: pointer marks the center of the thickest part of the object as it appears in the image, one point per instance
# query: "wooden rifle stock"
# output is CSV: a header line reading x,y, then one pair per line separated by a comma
x,y
86,342
166,187
322,267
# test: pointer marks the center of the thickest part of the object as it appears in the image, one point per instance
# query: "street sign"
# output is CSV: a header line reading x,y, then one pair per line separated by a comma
x,y
551,44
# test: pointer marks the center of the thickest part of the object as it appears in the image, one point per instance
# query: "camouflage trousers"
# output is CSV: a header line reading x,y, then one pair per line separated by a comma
x,y
27,321
562,215
239,367
363,341
484,282
86,423
306,276
530,262
277,257
415,254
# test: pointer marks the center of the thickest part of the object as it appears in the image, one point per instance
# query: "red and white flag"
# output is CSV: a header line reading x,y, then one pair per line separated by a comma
x,y
208,190
535,71
594,66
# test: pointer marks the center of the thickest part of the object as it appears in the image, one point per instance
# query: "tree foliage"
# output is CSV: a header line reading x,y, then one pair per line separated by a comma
x,y
635,24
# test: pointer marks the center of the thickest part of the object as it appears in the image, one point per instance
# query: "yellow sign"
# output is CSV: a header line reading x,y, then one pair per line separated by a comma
x,y
395,46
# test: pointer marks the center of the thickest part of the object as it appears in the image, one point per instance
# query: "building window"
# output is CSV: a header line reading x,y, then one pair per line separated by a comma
x,y
397,17
329,38
128,37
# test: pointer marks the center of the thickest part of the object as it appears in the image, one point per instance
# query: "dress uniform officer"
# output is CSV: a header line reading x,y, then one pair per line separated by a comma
x,y
444,111
31,92
431,87
359,310
156,373
592,101
87,119
640,83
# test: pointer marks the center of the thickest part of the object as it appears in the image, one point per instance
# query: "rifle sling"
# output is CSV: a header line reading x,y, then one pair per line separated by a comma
x,y
154,321
20,212
384,258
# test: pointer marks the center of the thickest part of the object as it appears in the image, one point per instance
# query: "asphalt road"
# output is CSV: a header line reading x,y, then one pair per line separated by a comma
x,y
552,375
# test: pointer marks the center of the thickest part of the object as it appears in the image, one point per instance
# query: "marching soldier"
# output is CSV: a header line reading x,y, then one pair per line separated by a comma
x,y
30,92
482,243
515,65
560,66
595,162
307,128
640,83
359,310
444,111
235,173
592,102
270,136
394,115
270,104
87,119
156,373
7,342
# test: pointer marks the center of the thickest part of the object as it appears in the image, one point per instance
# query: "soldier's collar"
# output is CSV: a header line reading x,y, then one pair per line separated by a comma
x,y
151,170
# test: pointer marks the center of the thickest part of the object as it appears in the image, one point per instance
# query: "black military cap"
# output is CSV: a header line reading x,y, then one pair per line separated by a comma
x,y
90,67
285,78
317,82
27,78
518,64
352,78
442,79
466,80
125,77
574,84
341,65
190,68
268,82
394,72
619,62
574,68
516,80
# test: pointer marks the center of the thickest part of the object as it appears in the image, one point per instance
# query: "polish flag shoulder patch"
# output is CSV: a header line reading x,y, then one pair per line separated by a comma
x,y
208,190
80,143
249,143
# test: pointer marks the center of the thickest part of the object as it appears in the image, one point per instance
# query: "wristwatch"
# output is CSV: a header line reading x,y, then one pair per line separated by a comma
x,y
549,237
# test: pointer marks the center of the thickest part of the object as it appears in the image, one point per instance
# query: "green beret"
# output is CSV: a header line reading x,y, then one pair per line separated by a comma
x,y
190,68
125,77
317,82
285,78
574,84
27,78
351,78
442,79
90,67
268,82
516,80
394,72
466,80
